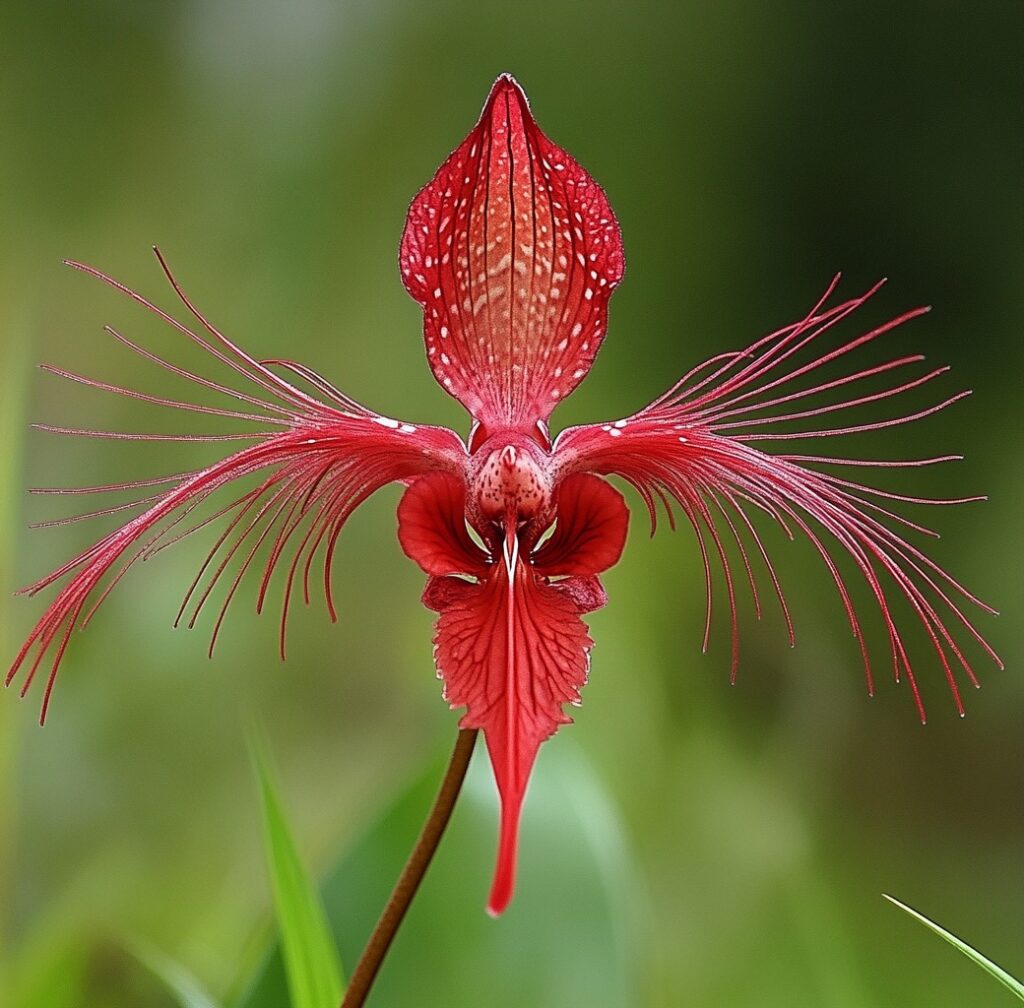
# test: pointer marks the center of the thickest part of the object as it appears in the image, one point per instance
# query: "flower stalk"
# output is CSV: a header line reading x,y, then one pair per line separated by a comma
x,y
412,874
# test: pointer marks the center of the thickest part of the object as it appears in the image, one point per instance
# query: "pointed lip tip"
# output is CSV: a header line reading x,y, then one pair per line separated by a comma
x,y
506,79
506,82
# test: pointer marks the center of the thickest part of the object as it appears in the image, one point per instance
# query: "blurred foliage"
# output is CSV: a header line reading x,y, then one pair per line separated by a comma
x,y
749,151
580,949
176,978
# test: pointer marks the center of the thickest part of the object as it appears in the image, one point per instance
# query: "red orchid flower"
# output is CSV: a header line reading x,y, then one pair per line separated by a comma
x,y
513,251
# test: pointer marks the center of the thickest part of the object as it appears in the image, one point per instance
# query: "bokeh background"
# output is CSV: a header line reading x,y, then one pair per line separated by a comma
x,y
687,842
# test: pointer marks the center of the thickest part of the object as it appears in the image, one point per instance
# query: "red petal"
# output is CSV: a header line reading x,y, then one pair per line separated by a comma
x,y
512,651
432,527
307,473
591,529
513,251
586,593
695,446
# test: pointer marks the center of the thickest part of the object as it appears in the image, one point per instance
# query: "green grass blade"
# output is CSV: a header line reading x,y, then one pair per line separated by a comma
x,y
990,967
174,977
310,957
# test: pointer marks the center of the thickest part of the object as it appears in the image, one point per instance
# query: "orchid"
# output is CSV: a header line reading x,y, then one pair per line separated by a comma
x,y
513,251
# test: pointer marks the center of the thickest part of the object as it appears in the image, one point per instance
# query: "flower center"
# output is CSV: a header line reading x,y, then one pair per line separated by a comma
x,y
512,487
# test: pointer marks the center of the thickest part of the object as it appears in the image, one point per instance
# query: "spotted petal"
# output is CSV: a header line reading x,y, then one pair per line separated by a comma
x,y
513,251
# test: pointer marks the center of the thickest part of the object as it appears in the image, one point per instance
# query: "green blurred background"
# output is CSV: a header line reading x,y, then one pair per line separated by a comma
x,y
743,835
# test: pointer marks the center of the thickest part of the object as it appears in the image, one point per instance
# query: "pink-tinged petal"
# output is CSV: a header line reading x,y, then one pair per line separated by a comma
x,y
511,650
305,479
512,250
591,528
443,591
432,527
585,593
690,448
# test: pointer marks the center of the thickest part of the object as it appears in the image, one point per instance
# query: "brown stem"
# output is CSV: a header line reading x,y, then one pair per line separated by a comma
x,y
412,874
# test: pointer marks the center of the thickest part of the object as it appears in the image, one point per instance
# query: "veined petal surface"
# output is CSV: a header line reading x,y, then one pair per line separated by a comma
x,y
432,527
590,532
511,650
512,251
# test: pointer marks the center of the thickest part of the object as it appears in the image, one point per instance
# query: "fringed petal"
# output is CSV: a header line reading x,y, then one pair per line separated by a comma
x,y
309,476
691,447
